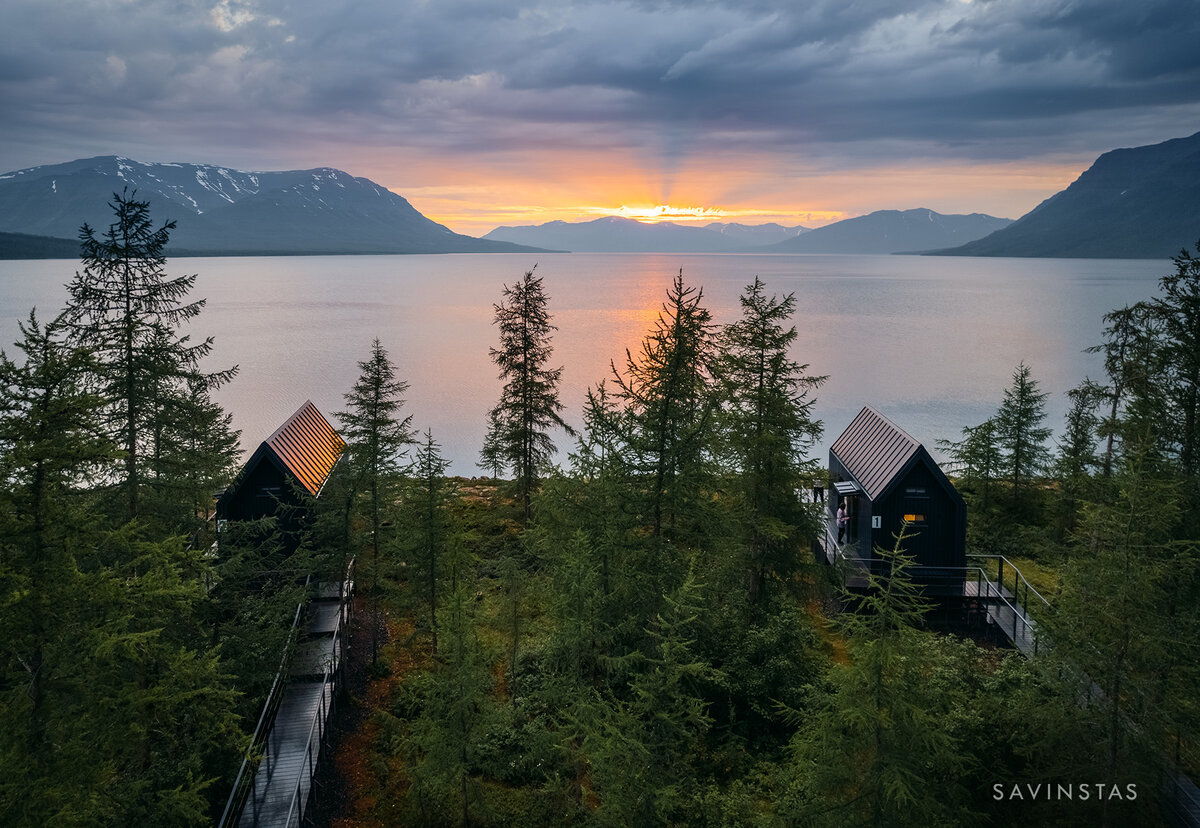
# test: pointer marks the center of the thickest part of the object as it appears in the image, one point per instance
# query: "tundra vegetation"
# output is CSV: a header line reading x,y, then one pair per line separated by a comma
x,y
635,635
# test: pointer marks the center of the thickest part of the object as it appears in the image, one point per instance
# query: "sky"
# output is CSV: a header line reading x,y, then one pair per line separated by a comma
x,y
485,112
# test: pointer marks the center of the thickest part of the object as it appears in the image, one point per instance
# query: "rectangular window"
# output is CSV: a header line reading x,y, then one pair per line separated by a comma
x,y
915,518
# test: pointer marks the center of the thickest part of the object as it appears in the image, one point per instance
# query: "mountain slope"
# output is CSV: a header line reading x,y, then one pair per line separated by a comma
x,y
756,234
891,231
220,210
24,246
1142,202
614,234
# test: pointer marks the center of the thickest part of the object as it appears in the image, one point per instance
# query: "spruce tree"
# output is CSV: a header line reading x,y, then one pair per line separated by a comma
x,y
597,466
427,521
124,307
768,424
1121,645
519,424
876,751
643,739
1076,459
977,458
114,710
1020,432
1129,348
376,440
665,428
49,453
455,707
1177,312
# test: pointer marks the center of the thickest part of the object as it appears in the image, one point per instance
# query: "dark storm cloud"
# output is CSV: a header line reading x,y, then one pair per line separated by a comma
x,y
255,79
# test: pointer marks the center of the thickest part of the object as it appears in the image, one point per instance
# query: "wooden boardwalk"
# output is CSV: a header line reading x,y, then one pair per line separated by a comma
x,y
1005,613
275,785
283,782
1002,608
284,779
1184,799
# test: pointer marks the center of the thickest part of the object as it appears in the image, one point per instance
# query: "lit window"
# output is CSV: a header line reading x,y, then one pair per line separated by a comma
x,y
914,518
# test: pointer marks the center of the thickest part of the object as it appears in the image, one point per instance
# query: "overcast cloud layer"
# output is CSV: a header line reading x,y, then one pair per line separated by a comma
x,y
263,84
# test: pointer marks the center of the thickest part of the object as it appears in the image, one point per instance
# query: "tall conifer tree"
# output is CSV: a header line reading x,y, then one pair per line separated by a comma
x,y
877,751
114,711
49,452
427,521
124,307
1022,437
376,440
768,423
666,427
1177,311
518,436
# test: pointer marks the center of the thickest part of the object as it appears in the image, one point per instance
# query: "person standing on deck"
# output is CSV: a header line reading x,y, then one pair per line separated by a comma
x,y
842,519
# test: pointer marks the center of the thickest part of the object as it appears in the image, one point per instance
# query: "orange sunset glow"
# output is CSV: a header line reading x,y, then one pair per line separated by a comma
x,y
474,198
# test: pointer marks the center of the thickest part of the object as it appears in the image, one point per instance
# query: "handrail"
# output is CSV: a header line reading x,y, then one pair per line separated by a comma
x,y
1000,575
244,783
831,542
328,677
985,588
266,719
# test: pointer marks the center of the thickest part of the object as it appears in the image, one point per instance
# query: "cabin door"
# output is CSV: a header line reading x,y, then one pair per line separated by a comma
x,y
852,514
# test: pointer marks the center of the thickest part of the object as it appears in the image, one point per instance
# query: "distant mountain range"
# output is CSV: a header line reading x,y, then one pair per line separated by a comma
x,y
892,231
1139,203
756,234
1142,202
614,234
224,211
886,231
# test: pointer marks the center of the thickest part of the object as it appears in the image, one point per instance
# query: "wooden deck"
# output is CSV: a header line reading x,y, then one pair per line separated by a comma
x,y
1001,606
292,750
284,779
1004,611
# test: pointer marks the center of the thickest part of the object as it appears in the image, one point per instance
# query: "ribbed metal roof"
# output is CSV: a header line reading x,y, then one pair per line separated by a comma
x,y
308,446
874,450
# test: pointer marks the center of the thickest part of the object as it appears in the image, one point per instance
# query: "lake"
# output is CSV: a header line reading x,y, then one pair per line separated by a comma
x,y
929,341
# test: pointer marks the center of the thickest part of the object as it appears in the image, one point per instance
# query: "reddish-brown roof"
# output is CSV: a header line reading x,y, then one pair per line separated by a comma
x,y
308,446
874,450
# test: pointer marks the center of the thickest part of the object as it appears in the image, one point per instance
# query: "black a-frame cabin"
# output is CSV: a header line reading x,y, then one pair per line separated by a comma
x,y
884,477
290,465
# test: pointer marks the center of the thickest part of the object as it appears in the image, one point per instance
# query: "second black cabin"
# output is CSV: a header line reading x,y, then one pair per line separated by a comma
x,y
291,464
884,477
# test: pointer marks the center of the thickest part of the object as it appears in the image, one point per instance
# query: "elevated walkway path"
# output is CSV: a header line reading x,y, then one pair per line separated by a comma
x,y
275,784
990,583
993,585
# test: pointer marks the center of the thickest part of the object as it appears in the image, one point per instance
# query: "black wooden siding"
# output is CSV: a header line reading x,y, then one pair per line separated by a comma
x,y
897,477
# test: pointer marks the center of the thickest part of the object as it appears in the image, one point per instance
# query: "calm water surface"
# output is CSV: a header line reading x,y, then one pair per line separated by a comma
x,y
931,342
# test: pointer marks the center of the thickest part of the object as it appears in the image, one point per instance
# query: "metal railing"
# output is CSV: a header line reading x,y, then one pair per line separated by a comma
x,y
1022,589
260,748
258,754
330,684
1019,626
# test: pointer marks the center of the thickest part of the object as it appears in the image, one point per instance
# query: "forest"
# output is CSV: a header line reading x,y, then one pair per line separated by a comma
x,y
620,624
